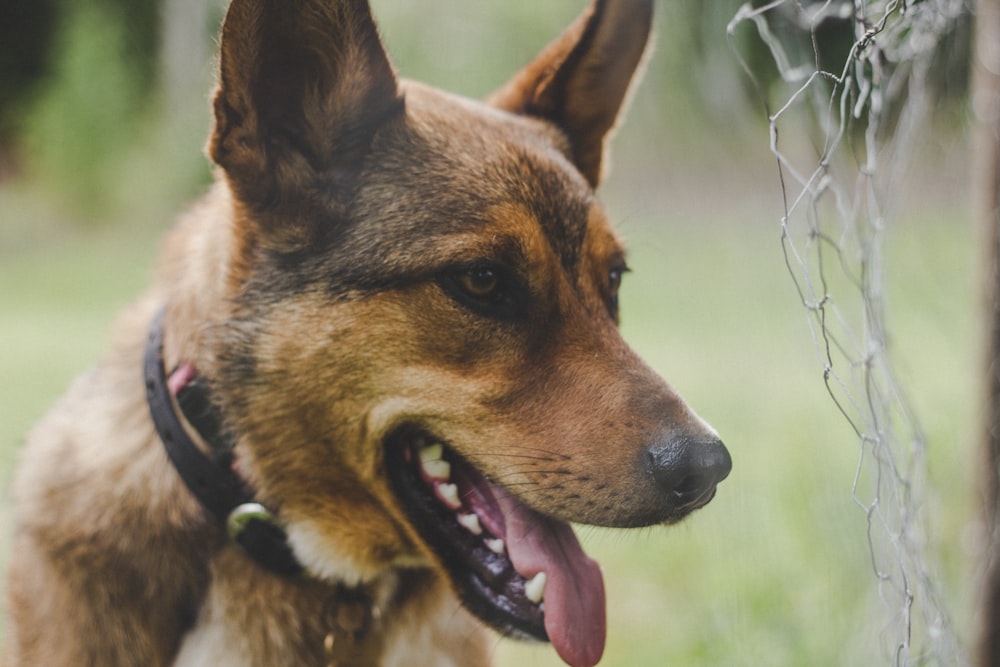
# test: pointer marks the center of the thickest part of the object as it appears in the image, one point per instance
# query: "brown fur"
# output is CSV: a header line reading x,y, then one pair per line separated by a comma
x,y
309,286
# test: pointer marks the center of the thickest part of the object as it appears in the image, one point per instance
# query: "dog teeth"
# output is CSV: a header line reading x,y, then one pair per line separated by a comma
x,y
534,589
432,464
448,494
495,545
471,523
430,451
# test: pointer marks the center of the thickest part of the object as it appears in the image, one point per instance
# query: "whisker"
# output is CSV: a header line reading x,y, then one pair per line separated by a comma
x,y
534,451
562,472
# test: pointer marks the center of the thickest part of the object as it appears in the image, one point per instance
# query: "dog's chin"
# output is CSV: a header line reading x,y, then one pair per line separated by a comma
x,y
493,548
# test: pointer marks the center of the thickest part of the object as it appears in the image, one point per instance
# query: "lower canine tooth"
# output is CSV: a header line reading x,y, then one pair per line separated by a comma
x,y
448,494
495,545
471,523
534,590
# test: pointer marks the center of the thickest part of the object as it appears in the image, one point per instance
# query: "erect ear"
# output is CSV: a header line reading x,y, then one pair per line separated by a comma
x,y
303,86
580,80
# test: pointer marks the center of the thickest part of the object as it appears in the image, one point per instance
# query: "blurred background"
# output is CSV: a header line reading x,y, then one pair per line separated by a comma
x,y
104,112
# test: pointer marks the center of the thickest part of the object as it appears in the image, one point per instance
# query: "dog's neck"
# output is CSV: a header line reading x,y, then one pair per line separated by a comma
x,y
213,480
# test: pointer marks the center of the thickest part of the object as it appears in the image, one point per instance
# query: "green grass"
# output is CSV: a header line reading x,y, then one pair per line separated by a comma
x,y
775,570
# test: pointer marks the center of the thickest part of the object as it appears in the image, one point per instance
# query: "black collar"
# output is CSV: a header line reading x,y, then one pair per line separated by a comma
x,y
212,480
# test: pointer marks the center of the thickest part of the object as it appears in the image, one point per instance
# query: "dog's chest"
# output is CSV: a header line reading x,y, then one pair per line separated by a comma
x,y
212,644
228,642
407,618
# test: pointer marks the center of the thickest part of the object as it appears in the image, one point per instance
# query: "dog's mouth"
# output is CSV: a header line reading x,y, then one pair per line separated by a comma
x,y
521,572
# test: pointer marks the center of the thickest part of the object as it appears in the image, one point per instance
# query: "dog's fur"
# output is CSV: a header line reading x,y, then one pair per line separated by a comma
x,y
375,256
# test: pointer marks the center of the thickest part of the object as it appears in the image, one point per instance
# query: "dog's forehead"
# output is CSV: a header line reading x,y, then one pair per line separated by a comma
x,y
437,110
451,163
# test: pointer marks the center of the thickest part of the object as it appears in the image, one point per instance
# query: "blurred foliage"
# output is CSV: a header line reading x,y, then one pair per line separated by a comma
x,y
82,83
89,107
26,31
827,45
81,100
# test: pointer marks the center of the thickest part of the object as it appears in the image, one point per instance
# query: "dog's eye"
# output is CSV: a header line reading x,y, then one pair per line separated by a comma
x,y
615,280
484,288
614,284
480,283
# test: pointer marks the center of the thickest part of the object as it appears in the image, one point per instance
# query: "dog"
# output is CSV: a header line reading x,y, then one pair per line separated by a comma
x,y
377,375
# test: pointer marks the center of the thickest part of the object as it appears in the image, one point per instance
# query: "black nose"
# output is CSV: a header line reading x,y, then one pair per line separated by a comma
x,y
686,469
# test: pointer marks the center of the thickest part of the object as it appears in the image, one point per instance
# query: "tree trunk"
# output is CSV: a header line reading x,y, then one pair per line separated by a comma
x,y
986,106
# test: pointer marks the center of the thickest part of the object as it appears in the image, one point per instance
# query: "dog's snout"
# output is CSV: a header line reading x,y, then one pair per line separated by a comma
x,y
687,469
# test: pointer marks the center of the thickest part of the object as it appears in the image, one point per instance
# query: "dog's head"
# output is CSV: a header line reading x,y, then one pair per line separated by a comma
x,y
422,363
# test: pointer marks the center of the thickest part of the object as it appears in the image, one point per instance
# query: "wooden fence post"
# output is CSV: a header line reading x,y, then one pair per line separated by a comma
x,y
986,170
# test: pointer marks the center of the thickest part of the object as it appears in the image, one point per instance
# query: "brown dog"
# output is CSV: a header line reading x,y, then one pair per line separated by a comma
x,y
382,356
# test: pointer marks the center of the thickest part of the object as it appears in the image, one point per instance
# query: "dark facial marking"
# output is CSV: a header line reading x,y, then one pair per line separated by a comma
x,y
561,206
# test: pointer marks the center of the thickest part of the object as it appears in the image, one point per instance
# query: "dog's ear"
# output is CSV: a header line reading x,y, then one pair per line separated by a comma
x,y
580,81
303,86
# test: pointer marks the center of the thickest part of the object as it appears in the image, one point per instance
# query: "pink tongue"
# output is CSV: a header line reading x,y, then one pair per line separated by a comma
x,y
574,594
